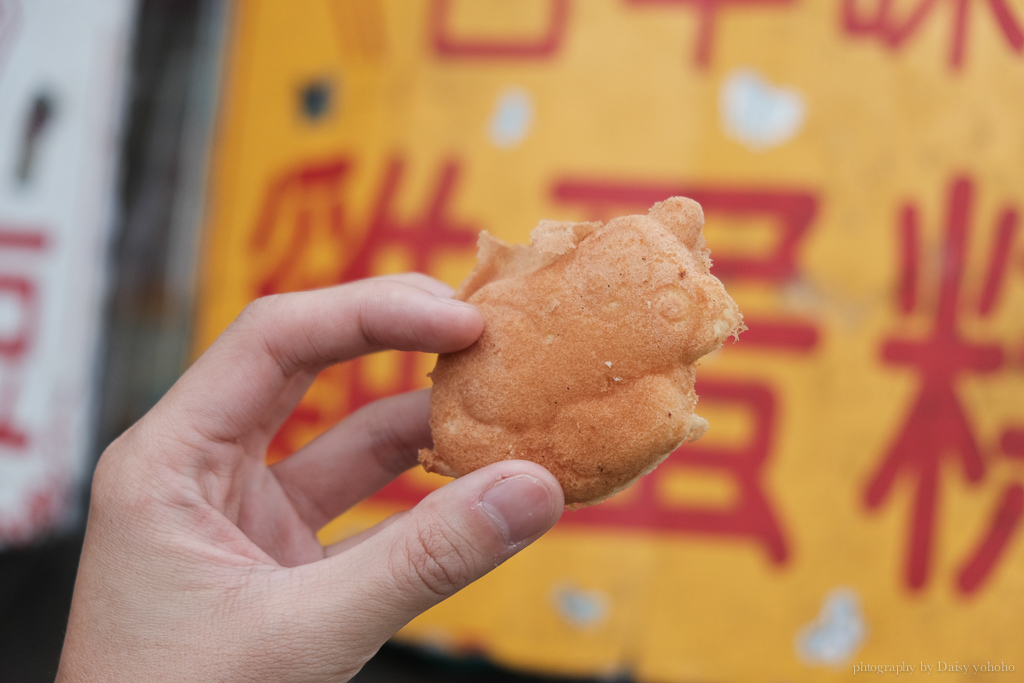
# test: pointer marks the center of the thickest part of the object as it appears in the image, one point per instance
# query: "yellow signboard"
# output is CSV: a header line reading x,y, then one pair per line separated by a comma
x,y
857,506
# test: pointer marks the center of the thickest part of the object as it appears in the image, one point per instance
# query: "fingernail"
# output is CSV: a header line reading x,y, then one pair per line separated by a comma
x,y
444,290
455,302
519,506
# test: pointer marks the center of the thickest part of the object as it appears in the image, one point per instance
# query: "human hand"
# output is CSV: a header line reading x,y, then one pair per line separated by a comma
x,y
202,563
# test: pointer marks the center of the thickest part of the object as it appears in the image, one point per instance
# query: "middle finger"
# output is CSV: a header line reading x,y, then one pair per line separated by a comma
x,y
356,457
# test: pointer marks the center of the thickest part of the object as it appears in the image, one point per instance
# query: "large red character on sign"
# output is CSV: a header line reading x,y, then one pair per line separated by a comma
x,y
936,426
893,27
20,288
21,250
305,220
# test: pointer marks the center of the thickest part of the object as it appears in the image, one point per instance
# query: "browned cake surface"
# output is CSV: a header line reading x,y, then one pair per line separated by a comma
x,y
586,362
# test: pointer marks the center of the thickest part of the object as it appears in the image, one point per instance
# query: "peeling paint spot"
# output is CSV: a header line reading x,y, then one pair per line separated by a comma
x,y
837,633
581,608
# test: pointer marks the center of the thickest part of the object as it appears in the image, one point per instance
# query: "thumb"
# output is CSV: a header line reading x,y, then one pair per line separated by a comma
x,y
452,538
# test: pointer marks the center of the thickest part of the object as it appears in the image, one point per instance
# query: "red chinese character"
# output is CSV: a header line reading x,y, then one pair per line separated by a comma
x,y
304,220
707,14
1012,443
19,288
301,226
792,212
750,516
936,426
538,47
893,29
1004,523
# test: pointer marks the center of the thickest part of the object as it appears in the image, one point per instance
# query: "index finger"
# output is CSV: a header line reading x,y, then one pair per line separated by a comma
x,y
241,380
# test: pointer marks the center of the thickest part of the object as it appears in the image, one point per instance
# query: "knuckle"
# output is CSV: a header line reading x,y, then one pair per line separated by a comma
x,y
122,484
439,559
258,322
257,309
107,491
387,319
103,480
374,317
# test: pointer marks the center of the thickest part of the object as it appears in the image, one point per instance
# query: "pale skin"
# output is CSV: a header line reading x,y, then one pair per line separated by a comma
x,y
202,564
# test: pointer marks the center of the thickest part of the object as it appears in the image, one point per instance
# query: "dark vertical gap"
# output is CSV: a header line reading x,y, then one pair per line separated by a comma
x,y
151,159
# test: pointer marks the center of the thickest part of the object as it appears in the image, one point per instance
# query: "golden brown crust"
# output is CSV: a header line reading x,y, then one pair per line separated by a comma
x,y
586,362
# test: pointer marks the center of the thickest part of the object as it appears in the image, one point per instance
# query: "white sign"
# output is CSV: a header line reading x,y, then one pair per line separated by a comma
x,y
62,69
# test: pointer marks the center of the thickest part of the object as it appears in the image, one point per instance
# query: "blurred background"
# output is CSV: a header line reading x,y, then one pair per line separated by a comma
x,y
859,498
